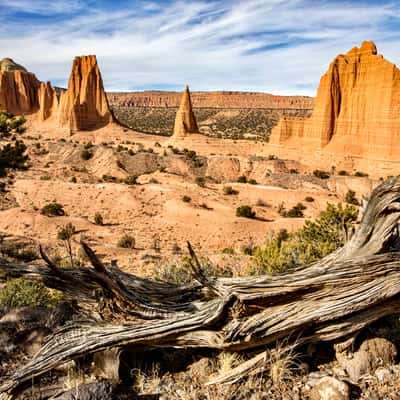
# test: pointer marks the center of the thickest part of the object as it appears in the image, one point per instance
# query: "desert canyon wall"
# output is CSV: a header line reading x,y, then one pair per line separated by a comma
x,y
357,109
211,100
83,106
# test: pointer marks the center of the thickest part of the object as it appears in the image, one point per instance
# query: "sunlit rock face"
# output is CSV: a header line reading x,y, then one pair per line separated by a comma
x,y
357,108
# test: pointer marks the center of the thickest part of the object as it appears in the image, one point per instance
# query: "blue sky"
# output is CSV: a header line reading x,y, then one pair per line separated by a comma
x,y
276,46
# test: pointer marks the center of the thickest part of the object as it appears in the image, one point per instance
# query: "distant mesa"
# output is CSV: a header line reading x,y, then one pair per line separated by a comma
x,y
185,121
357,109
83,106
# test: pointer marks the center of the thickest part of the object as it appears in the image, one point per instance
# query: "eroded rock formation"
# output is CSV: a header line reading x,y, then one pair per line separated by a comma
x,y
84,105
185,121
18,88
357,108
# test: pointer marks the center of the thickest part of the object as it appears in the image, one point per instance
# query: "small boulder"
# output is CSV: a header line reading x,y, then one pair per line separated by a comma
x,y
373,353
329,388
104,390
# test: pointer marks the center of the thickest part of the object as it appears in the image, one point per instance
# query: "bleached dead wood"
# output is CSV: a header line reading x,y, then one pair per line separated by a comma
x,y
327,301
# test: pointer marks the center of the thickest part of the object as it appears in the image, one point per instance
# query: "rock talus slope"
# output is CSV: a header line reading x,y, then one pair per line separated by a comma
x,y
357,108
185,121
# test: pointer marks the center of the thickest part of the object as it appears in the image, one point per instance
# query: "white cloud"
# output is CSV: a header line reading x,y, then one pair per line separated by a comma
x,y
209,45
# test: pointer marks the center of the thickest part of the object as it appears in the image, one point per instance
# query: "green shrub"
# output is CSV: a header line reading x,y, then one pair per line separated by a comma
x,y
295,212
360,174
98,219
73,179
351,198
127,242
131,180
86,154
321,174
200,181
9,124
186,199
314,241
228,190
309,199
12,157
253,182
22,292
242,179
343,173
88,145
53,210
245,211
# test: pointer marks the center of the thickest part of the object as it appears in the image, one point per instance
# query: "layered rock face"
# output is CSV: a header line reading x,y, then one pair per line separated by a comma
x,y
84,105
357,109
211,100
18,88
185,121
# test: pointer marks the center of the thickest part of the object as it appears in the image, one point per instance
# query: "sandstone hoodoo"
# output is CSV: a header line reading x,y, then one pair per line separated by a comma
x,y
356,109
185,121
84,105
18,88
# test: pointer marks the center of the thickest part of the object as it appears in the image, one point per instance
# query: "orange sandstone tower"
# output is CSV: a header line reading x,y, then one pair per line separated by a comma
x,y
185,121
357,109
84,105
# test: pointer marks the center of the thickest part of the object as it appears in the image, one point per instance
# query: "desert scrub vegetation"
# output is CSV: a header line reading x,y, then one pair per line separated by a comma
x,y
98,219
284,251
131,180
200,181
361,174
180,271
295,212
12,156
321,174
21,292
309,199
242,179
229,190
9,124
186,199
86,154
127,242
19,251
351,198
245,212
53,210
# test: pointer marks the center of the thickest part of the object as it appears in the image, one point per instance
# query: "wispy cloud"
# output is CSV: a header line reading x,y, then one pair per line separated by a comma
x,y
279,46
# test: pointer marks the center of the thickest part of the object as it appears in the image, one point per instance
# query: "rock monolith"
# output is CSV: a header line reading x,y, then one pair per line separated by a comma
x,y
185,121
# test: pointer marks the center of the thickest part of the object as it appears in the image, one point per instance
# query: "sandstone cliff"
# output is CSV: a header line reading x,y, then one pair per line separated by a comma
x,y
18,92
211,100
185,121
357,108
84,105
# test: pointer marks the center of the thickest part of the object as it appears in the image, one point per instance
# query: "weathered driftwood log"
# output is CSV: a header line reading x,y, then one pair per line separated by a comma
x,y
330,300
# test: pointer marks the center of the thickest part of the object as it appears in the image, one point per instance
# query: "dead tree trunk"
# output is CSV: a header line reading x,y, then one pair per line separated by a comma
x,y
330,300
